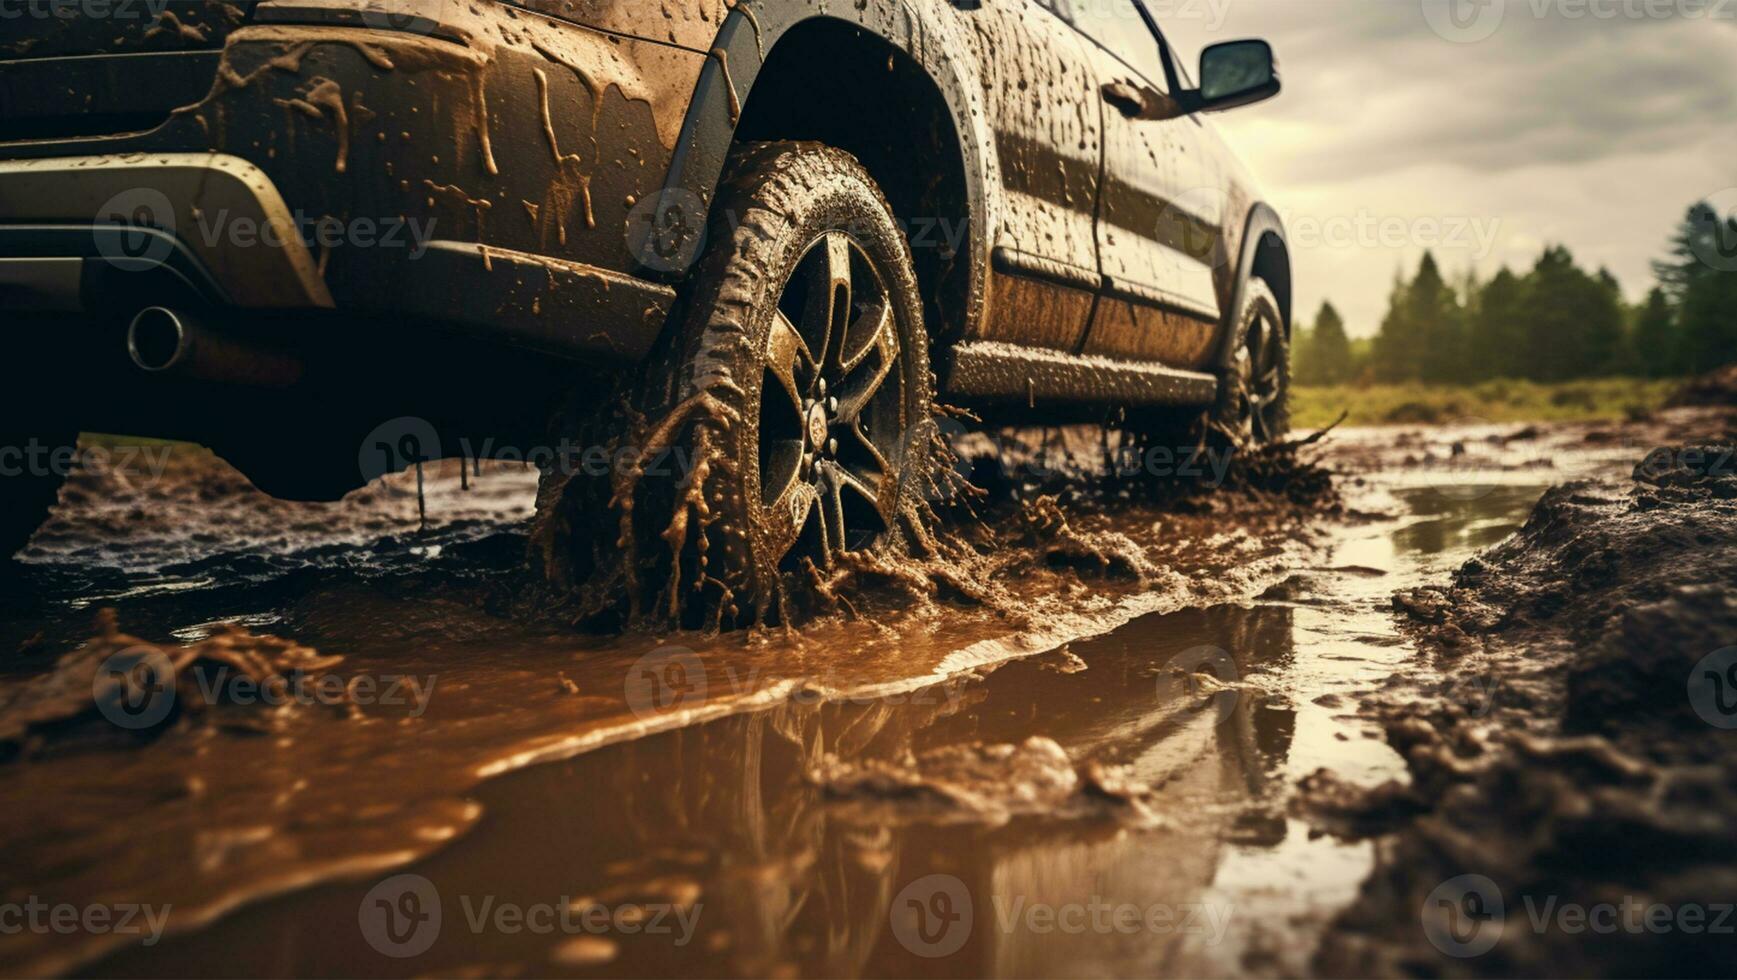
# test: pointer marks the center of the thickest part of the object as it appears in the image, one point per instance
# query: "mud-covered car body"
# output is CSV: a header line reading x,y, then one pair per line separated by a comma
x,y
452,208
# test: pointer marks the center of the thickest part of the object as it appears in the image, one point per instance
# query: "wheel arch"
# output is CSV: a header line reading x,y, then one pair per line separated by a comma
x,y
915,131
1265,255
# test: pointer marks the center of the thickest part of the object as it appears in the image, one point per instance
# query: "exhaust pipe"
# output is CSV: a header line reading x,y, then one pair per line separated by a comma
x,y
171,342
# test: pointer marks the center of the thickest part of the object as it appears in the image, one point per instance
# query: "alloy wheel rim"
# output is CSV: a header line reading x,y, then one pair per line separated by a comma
x,y
1260,367
832,406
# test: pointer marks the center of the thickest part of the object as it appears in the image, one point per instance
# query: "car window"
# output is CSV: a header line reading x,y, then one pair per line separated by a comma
x,y
1118,27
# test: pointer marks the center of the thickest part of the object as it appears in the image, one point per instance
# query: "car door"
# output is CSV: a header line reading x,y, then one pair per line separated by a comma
x,y
1160,208
1040,98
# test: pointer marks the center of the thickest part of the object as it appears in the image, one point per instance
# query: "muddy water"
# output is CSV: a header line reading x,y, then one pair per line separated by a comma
x,y
667,791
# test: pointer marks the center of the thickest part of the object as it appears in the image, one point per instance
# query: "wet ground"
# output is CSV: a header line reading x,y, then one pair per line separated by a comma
x,y
1104,784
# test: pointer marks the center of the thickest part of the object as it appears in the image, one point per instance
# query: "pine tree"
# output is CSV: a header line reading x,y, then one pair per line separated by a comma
x,y
1707,331
1655,342
1493,338
1393,353
1331,348
1420,336
1573,321
1698,235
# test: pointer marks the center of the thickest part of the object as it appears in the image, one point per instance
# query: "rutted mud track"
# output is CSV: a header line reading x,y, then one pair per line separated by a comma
x,y
1131,735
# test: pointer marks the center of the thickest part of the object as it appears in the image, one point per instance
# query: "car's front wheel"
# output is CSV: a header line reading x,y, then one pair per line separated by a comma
x,y
788,423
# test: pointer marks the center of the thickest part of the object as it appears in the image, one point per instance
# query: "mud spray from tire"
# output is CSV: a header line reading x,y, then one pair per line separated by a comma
x,y
634,550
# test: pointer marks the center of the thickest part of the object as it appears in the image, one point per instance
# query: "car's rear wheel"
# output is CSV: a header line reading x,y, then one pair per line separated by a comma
x,y
788,422
29,486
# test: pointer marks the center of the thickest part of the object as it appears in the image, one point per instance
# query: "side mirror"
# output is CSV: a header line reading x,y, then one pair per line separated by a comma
x,y
1235,73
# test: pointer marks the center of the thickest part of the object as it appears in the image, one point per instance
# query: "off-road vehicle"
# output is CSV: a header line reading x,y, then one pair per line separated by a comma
x,y
756,240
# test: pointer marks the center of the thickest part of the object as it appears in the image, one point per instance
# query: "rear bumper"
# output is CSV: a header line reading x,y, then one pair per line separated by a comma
x,y
78,234
142,214
485,182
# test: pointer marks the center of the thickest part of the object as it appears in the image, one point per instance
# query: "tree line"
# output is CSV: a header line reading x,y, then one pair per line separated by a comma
x,y
1556,322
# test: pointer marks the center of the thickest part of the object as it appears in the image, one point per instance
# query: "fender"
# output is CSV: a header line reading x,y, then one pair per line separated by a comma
x,y
1262,221
746,40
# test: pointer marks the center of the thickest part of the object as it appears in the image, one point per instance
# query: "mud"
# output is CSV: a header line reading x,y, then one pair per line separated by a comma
x,y
1568,746
1165,731
981,783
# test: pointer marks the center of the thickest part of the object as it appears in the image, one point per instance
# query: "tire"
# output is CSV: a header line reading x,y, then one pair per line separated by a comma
x,y
790,409
1254,396
27,496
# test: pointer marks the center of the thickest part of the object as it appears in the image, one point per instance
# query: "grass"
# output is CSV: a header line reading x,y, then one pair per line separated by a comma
x,y
1489,401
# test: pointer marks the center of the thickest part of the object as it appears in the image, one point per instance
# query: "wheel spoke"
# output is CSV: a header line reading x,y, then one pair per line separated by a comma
x,y
836,480
876,455
788,358
789,510
780,469
831,503
867,374
829,294
1269,382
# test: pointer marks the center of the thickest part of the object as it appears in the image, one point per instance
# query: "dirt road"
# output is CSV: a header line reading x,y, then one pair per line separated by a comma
x,y
1095,774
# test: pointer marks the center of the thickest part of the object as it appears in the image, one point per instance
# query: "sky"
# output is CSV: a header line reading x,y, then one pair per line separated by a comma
x,y
1480,129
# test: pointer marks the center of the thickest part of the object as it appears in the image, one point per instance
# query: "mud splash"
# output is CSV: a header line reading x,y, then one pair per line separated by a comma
x,y
983,783
112,685
993,511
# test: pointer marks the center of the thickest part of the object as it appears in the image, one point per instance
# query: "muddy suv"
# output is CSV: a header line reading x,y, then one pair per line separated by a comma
x,y
740,246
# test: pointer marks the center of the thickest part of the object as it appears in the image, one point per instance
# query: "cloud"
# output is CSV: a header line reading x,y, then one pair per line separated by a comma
x,y
1591,122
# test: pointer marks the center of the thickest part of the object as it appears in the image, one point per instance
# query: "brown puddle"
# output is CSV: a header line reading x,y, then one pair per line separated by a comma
x,y
684,783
